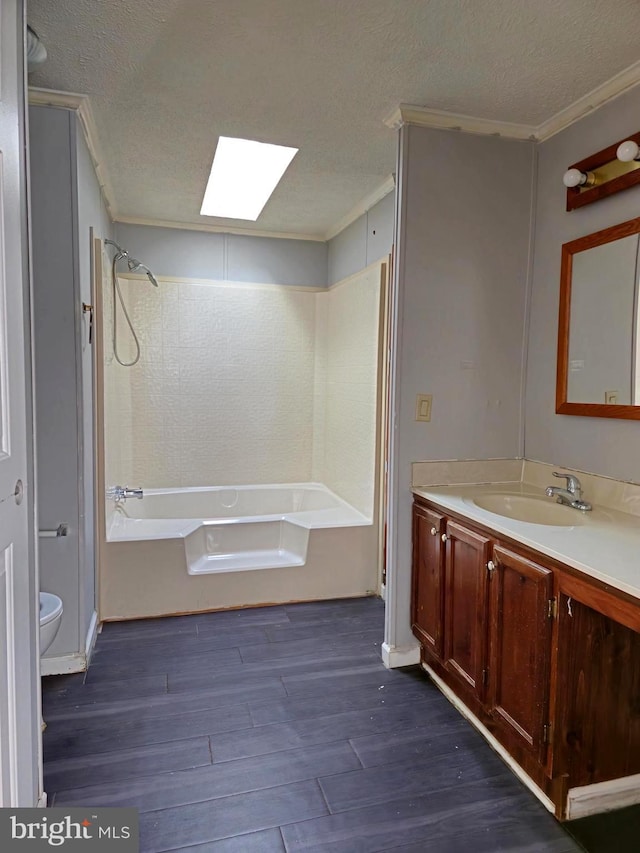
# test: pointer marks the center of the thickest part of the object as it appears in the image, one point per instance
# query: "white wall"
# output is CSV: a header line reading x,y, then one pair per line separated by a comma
x,y
223,392
599,445
345,392
462,263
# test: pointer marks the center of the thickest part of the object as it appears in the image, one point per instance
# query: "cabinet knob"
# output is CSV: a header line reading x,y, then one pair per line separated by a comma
x,y
434,531
491,566
444,537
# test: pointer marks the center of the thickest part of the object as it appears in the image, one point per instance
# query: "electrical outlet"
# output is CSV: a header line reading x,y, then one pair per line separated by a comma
x,y
610,398
423,407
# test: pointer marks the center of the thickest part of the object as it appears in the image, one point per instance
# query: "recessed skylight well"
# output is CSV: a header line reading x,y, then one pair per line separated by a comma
x,y
243,176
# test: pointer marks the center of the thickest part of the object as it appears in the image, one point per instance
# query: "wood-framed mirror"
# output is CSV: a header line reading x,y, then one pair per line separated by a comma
x,y
598,368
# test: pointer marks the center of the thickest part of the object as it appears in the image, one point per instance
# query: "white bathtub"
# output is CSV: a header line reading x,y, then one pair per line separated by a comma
x,y
234,528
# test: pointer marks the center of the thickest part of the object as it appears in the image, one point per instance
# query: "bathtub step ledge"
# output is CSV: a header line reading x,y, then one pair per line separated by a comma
x,y
209,564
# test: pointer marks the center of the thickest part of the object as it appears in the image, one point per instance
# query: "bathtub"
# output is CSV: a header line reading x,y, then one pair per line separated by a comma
x,y
303,533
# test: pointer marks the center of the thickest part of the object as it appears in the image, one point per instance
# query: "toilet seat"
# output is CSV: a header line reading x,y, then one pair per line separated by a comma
x,y
50,607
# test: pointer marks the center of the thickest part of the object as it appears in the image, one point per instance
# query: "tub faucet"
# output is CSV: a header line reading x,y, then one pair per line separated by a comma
x,y
121,493
572,495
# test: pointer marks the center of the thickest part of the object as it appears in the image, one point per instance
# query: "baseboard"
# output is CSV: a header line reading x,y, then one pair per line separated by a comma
x,y
396,656
92,635
496,745
603,797
63,664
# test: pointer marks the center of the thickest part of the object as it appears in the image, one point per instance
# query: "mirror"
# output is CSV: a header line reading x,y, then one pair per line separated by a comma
x,y
598,371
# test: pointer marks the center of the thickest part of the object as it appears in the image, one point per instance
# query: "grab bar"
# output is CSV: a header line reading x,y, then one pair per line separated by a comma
x,y
61,530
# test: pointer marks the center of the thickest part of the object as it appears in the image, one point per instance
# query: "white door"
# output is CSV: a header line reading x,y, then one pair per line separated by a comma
x,y
19,697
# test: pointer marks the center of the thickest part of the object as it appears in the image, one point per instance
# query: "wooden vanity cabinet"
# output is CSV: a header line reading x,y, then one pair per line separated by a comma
x,y
466,598
520,620
548,660
428,579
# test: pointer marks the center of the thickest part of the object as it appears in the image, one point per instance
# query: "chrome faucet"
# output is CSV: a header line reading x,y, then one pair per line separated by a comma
x,y
572,495
121,493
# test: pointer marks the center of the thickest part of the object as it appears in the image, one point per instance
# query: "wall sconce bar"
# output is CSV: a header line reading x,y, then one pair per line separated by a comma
x,y
603,173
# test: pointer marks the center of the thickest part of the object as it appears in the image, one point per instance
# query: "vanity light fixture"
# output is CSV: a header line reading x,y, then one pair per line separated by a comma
x,y
576,178
604,173
628,151
244,174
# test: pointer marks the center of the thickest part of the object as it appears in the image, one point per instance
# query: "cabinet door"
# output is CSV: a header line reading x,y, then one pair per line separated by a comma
x,y
466,590
427,592
520,649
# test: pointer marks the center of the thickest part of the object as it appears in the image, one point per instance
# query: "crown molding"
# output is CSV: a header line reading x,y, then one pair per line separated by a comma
x,y
607,91
364,205
443,120
217,229
81,105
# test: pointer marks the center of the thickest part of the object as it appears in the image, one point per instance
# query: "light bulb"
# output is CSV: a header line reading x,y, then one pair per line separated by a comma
x,y
574,178
628,151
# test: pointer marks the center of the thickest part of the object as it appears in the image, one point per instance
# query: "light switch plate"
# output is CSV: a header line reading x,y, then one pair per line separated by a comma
x,y
423,407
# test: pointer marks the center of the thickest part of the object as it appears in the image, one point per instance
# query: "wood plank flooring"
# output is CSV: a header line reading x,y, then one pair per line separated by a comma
x,y
279,729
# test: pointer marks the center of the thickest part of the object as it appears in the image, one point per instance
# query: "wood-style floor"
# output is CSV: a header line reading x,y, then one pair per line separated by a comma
x,y
279,729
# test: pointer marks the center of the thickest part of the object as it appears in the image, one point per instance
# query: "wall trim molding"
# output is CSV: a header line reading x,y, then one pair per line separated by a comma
x,y
495,744
363,206
443,120
81,105
216,282
603,796
92,636
63,664
617,85
217,229
421,116
396,656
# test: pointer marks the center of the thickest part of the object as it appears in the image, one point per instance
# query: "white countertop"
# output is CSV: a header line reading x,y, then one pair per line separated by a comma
x,y
604,543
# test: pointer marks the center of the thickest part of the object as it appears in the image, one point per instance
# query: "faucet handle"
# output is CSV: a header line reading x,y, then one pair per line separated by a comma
x,y
573,483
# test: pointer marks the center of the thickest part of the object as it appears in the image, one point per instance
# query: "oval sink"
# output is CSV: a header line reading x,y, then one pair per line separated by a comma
x,y
529,508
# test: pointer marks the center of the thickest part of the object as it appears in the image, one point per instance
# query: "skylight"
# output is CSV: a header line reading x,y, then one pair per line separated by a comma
x,y
243,176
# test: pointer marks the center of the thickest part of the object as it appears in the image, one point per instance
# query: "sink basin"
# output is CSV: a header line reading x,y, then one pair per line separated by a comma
x,y
529,508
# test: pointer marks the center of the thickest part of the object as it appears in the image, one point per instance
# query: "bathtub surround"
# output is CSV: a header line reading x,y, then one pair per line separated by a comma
x,y
243,384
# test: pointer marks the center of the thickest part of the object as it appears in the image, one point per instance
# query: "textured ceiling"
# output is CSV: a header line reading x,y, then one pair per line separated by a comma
x,y
167,77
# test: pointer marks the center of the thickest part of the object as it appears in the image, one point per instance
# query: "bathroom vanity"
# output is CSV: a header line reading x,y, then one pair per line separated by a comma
x,y
531,629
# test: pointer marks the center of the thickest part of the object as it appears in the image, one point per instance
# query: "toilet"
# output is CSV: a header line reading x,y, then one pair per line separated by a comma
x,y
50,618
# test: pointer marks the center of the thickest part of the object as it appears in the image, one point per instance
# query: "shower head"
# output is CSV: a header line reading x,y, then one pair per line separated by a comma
x,y
135,266
133,263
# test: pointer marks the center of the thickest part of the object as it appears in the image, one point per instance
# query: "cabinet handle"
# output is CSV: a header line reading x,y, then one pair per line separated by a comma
x,y
434,531
444,537
491,566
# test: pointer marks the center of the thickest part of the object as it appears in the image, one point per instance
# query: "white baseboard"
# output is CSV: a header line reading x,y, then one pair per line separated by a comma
x,y
496,745
63,664
396,656
92,635
603,797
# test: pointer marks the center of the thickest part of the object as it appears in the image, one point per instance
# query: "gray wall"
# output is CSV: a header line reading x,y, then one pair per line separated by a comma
x,y
365,241
177,252
600,445
65,203
462,267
